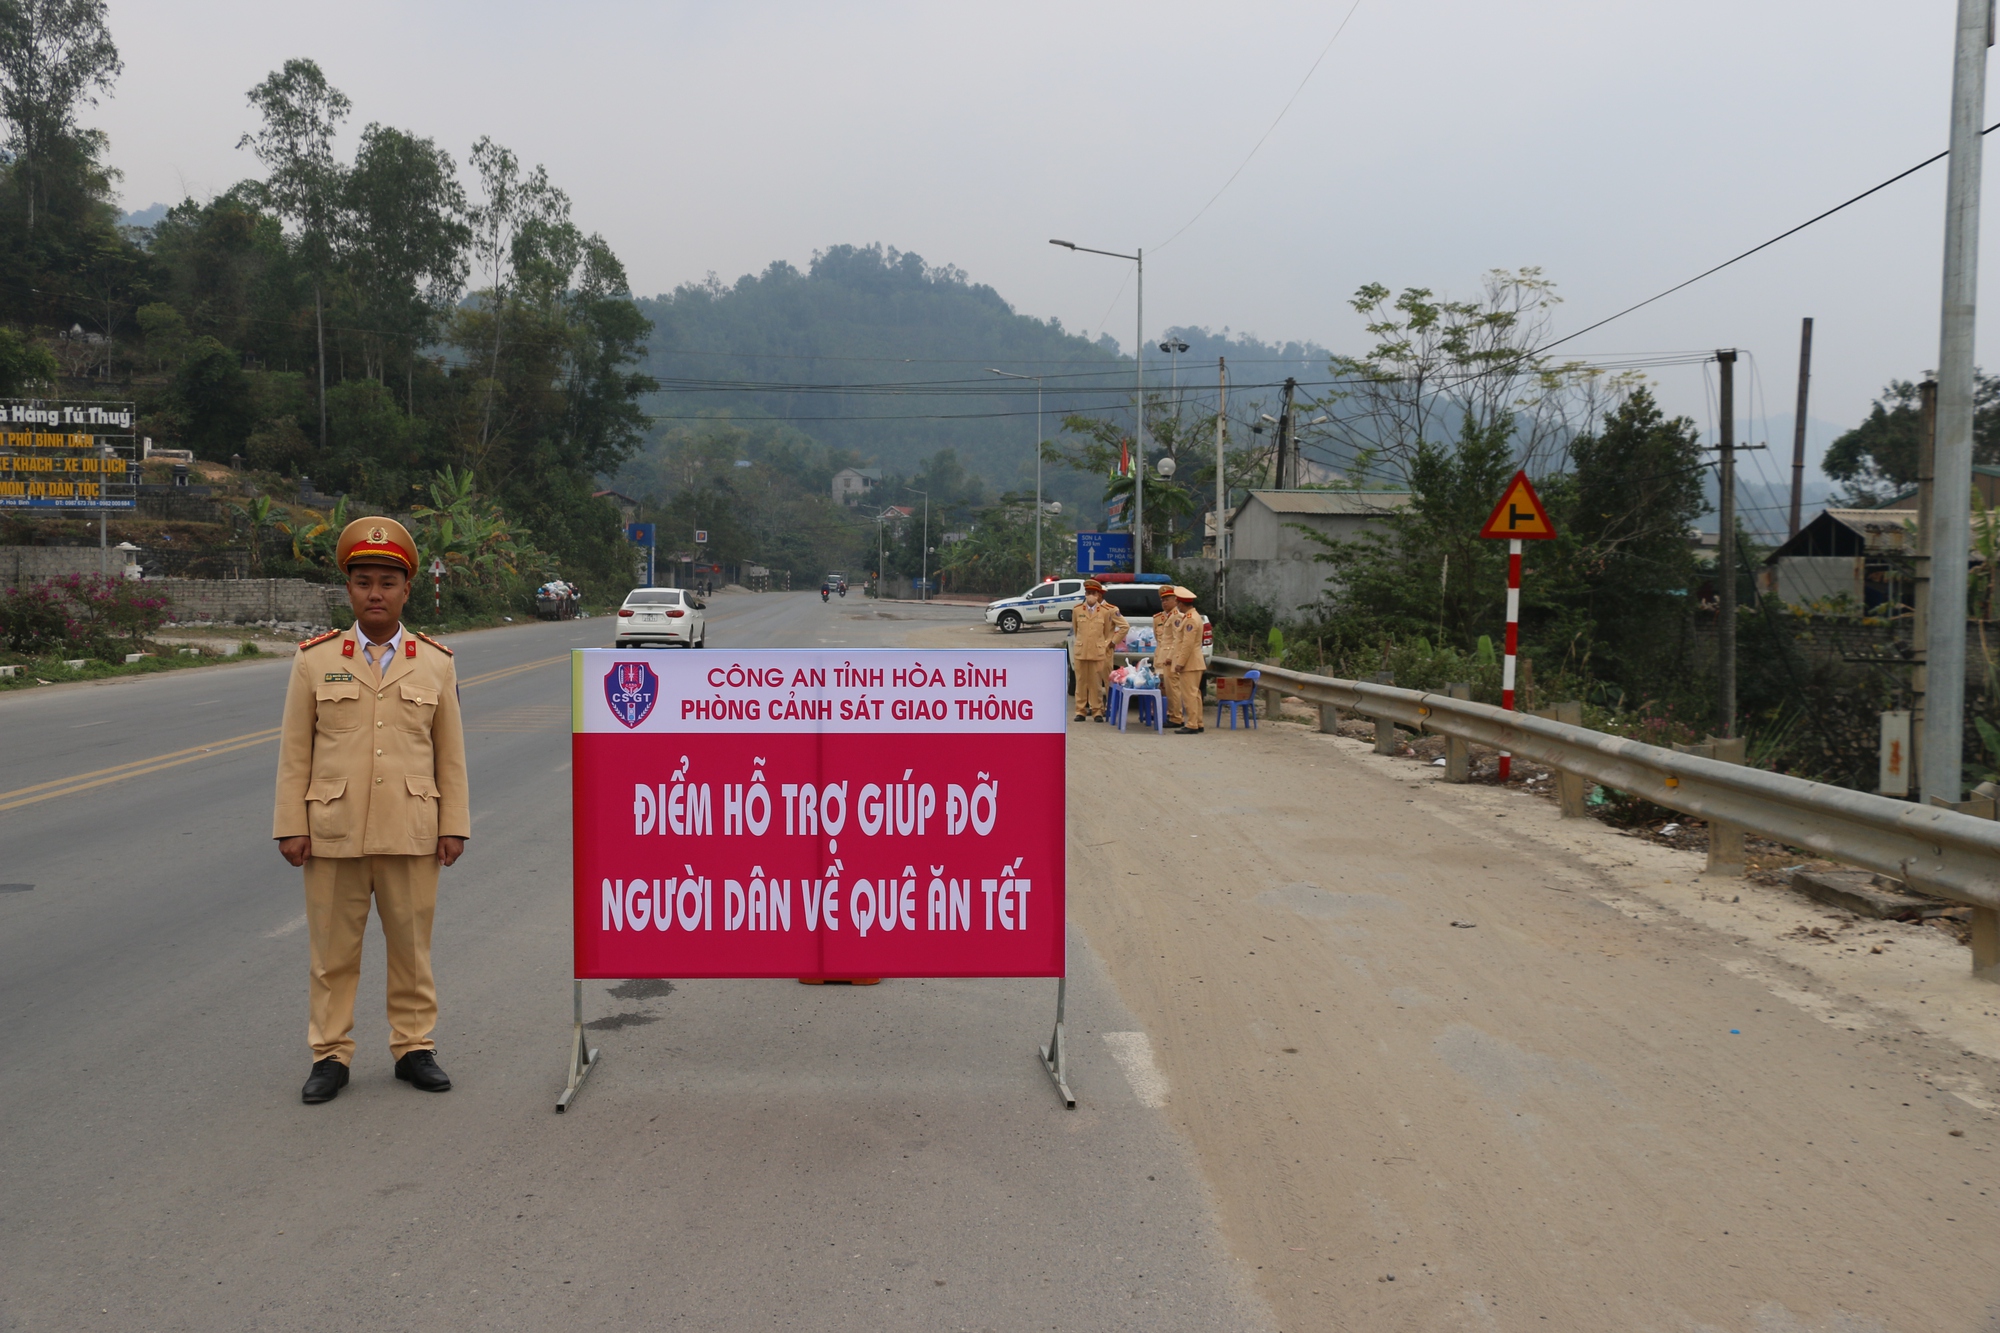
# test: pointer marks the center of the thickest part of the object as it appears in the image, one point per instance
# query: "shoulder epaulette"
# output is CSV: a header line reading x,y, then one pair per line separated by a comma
x,y
322,638
432,642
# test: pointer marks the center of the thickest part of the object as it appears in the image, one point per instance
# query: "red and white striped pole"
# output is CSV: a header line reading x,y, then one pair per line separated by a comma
x,y
1513,641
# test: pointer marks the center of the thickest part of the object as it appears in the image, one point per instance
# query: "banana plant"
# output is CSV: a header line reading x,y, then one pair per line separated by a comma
x,y
258,516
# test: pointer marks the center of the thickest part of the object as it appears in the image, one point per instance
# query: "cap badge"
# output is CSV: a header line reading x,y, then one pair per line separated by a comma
x,y
378,533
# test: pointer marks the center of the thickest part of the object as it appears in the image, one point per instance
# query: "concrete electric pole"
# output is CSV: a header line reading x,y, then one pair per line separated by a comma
x,y
1725,555
1942,748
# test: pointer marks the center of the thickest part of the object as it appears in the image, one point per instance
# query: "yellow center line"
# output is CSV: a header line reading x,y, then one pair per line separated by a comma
x,y
120,770
504,672
136,772
76,782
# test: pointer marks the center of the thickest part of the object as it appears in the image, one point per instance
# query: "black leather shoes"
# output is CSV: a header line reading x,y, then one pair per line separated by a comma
x,y
328,1077
420,1069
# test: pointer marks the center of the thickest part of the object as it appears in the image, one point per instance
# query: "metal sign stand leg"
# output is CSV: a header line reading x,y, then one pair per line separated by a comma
x,y
1055,1058
583,1059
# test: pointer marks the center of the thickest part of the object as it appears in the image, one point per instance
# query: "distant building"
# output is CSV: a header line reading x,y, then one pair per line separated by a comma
x,y
628,508
1846,555
1272,563
852,485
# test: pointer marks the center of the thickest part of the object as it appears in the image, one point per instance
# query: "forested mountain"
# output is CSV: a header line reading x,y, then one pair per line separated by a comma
x,y
875,353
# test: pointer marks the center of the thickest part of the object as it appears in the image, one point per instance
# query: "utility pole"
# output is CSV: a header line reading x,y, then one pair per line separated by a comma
x,y
1920,592
1139,427
1221,475
1942,748
1725,556
1799,425
1287,470
1138,405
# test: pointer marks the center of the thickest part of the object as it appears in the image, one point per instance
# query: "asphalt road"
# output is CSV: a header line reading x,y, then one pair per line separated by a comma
x,y
750,1154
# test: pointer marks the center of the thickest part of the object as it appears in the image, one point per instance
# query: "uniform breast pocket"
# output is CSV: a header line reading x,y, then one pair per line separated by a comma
x,y
337,704
419,708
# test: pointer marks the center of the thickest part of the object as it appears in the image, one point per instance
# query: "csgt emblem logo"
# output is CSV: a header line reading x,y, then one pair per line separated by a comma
x,y
631,689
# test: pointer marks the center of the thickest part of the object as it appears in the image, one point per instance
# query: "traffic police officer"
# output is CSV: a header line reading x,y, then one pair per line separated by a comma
x,y
371,801
1166,626
1099,629
1187,662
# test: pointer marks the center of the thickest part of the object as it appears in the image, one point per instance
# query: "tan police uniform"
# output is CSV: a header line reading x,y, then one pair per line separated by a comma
x,y
1099,631
1187,660
1166,628
371,766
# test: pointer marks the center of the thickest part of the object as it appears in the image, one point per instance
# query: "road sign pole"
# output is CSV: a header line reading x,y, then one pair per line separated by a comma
x,y
1513,642
1518,517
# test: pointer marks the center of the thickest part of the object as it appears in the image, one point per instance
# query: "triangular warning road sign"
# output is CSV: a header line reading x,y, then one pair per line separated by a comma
x,y
1519,514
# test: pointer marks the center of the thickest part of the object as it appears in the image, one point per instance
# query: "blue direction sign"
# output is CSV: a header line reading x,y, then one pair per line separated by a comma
x,y
639,534
1103,552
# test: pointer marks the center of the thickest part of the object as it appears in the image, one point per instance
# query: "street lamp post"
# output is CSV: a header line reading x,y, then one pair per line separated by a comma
x,y
1173,347
1038,463
1138,406
923,591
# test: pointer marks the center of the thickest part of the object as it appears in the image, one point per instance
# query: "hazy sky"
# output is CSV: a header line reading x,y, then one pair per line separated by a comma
x,y
1620,146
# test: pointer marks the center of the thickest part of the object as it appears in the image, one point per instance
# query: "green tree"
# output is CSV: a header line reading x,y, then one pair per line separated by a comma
x,y
406,249
56,56
212,398
1620,573
1877,460
1438,364
307,184
25,369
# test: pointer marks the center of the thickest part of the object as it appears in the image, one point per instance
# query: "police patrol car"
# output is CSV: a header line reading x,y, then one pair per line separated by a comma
x,y
1044,602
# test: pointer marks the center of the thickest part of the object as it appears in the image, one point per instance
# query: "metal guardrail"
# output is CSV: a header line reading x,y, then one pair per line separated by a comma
x,y
1940,851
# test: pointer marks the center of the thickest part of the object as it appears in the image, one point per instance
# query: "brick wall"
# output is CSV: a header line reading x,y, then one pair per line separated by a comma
x,y
241,601
36,564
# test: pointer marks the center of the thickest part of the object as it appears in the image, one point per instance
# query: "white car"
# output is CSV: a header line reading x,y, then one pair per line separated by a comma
x,y
662,618
1043,602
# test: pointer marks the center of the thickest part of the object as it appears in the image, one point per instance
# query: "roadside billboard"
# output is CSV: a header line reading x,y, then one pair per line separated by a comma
x,y
60,454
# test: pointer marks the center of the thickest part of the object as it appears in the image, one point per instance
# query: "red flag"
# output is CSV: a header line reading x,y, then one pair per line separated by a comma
x,y
1124,458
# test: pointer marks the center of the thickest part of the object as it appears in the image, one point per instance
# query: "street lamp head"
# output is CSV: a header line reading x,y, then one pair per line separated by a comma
x,y
1067,245
1319,421
1055,507
1173,345
1266,416
1165,467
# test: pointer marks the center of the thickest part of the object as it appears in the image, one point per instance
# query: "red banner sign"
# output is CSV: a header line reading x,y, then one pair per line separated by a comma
x,y
795,813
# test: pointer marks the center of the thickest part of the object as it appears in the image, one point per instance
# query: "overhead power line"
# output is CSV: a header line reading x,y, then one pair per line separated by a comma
x,y
1267,133
1873,189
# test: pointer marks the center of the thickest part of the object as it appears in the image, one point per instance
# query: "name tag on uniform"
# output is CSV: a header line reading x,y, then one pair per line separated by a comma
x,y
339,675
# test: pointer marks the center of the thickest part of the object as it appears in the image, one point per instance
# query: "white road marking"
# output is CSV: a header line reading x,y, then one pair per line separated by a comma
x,y
294,924
1134,1053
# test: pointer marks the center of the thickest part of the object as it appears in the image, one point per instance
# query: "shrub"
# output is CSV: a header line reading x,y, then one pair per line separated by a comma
x,y
89,613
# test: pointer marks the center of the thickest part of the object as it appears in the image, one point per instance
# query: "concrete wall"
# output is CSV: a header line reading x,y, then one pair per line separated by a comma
x,y
1809,578
1288,587
1272,563
36,564
242,601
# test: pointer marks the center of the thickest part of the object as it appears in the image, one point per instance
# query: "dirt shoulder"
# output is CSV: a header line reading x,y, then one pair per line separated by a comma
x,y
1538,1073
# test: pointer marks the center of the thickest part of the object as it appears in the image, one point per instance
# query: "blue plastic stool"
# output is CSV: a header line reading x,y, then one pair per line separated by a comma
x,y
1246,707
1152,708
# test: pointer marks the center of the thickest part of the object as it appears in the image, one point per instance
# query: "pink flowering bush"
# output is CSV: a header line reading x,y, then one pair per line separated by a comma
x,y
89,614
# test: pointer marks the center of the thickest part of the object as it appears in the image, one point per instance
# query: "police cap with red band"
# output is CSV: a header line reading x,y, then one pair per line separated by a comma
x,y
376,541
